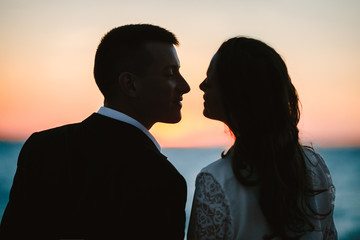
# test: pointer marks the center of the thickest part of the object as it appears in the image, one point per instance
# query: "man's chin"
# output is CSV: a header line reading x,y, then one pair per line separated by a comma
x,y
172,120
209,116
206,114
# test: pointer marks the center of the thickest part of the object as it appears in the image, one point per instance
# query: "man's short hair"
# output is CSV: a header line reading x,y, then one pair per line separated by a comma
x,y
122,49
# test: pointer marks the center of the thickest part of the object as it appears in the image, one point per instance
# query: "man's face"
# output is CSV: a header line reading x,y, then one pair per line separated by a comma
x,y
161,89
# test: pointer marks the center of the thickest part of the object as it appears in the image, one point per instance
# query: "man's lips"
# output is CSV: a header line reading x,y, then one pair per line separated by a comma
x,y
178,101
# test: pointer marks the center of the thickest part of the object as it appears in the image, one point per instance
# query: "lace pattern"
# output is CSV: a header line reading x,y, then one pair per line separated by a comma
x,y
211,211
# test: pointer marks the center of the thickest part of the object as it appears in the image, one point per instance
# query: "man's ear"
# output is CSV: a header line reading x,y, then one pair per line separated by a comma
x,y
127,84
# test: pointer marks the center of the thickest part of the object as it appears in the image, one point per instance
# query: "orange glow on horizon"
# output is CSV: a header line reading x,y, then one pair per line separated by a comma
x,y
47,51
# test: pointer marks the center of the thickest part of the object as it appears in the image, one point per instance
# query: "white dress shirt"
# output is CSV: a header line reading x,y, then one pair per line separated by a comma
x,y
111,113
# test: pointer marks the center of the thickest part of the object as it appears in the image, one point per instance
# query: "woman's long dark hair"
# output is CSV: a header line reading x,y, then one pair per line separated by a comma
x,y
261,106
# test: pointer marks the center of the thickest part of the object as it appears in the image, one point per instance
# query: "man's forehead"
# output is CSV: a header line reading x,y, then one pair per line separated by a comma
x,y
164,54
158,47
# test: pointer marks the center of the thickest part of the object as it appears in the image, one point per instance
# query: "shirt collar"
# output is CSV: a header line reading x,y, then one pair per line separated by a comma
x,y
111,113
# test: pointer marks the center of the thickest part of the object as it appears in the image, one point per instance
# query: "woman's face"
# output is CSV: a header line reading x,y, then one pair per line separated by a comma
x,y
213,107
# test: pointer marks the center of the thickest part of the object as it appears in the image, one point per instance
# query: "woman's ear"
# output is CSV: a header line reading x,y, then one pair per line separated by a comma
x,y
127,84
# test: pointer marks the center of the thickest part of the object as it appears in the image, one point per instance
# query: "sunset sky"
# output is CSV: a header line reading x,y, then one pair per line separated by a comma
x,y
47,50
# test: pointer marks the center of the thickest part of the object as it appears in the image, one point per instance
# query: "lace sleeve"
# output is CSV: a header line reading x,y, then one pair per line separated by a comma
x,y
210,214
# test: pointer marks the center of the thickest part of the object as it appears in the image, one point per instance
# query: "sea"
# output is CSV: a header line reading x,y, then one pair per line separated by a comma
x,y
343,163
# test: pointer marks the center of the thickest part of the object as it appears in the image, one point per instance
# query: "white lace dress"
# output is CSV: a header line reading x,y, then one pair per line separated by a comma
x,y
224,209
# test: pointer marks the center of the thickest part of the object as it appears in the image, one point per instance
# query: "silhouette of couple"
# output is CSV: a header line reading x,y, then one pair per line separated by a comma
x,y
105,178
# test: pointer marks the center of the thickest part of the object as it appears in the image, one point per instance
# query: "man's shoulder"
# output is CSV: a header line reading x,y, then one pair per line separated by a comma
x,y
57,137
59,132
52,134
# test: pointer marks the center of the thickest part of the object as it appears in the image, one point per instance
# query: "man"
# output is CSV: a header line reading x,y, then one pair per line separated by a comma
x,y
105,177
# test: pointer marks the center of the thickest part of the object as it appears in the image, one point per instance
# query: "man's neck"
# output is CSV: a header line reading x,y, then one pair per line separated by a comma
x,y
120,116
128,111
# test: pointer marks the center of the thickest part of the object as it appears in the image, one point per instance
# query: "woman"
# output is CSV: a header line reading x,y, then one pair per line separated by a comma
x,y
267,185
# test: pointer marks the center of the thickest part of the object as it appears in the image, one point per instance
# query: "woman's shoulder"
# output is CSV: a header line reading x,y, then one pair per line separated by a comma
x,y
320,176
315,163
219,172
323,201
219,167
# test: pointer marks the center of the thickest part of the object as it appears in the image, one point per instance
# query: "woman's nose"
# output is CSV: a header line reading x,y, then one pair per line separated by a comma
x,y
203,85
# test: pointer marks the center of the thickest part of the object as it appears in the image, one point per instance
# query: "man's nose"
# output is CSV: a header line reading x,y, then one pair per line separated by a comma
x,y
184,86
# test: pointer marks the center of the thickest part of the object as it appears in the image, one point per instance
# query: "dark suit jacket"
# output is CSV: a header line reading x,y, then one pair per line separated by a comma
x,y
97,179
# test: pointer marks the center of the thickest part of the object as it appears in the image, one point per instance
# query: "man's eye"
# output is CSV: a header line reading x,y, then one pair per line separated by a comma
x,y
170,74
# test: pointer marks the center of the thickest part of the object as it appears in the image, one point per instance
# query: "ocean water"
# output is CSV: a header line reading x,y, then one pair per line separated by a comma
x,y
343,163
